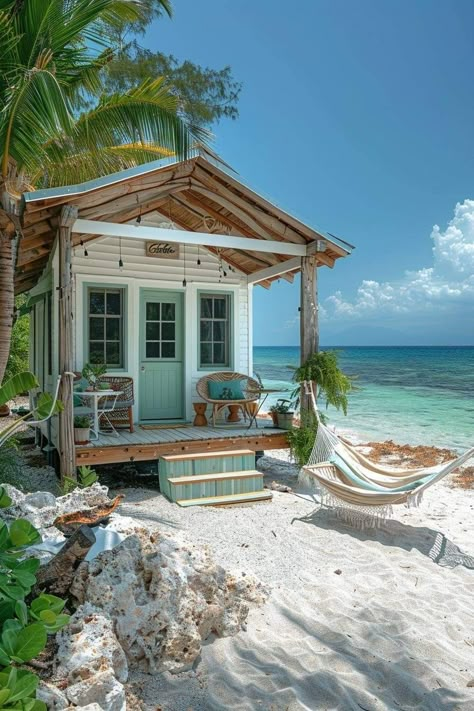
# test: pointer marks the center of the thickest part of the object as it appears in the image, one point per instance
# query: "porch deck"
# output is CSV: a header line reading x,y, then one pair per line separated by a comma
x,y
148,444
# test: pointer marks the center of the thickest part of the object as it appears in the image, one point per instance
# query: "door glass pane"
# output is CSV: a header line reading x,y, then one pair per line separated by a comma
x,y
113,303
96,352
168,350
112,329
152,311
220,307
219,328
152,350
168,312
112,349
96,302
206,307
96,328
219,353
153,331
168,331
206,353
206,330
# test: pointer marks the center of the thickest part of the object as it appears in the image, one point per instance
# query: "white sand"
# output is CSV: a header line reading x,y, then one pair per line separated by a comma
x,y
356,620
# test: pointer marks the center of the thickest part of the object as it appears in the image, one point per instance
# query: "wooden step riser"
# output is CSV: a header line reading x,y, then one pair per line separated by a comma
x,y
233,499
216,488
211,465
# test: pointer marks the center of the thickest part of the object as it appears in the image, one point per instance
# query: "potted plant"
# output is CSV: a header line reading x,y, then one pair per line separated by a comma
x,y
284,414
92,372
82,427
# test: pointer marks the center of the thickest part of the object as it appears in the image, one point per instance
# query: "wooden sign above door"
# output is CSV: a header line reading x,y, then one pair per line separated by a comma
x,y
162,250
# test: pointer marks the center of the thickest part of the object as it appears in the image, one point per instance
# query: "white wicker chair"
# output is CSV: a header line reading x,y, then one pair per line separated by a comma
x,y
251,391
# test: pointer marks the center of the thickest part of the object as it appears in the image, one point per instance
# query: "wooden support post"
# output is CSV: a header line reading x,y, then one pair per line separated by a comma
x,y
309,323
67,454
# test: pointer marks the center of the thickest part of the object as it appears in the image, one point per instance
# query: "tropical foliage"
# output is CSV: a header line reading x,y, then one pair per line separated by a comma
x,y
53,58
25,623
322,369
19,348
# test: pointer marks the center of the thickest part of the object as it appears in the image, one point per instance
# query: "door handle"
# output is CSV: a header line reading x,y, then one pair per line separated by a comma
x,y
142,368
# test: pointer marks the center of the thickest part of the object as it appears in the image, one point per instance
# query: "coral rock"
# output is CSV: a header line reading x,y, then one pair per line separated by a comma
x,y
165,595
88,646
102,689
54,699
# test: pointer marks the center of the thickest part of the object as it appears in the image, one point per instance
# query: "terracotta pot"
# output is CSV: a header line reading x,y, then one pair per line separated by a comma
x,y
82,435
4,410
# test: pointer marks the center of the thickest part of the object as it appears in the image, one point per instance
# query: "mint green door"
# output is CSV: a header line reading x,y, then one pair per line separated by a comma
x,y
161,355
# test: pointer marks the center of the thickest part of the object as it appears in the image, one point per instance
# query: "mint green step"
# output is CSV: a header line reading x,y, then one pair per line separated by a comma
x,y
250,497
179,465
206,485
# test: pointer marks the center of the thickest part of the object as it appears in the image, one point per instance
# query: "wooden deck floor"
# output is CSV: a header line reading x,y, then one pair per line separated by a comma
x,y
147,444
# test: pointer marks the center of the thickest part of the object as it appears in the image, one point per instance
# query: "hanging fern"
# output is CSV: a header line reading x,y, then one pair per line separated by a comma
x,y
322,368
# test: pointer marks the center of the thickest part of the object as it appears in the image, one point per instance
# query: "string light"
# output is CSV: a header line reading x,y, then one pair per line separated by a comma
x,y
86,253
139,216
198,259
184,266
120,255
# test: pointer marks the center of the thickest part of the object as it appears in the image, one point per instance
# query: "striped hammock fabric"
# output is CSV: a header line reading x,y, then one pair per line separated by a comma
x,y
360,490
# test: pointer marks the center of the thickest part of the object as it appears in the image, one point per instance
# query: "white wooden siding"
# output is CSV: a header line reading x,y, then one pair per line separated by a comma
x,y
139,271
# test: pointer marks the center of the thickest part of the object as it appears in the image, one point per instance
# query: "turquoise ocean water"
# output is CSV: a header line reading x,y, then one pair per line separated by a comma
x,y
413,395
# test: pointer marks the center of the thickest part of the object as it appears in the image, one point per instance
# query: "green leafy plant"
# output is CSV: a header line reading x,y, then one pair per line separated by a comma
x,y
323,370
24,624
82,422
86,476
45,406
301,439
92,372
281,407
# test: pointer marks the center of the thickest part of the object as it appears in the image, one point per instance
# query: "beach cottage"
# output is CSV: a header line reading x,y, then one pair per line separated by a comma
x,y
151,271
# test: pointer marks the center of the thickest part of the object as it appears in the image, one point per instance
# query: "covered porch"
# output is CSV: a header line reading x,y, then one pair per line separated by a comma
x,y
99,236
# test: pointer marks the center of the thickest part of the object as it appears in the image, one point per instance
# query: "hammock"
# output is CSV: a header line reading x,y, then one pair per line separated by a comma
x,y
360,490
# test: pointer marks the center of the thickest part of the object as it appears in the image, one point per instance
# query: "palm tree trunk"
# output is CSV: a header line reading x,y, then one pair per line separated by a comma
x,y
7,293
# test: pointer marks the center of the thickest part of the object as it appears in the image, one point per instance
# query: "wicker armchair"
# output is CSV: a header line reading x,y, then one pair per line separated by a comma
x,y
122,414
250,390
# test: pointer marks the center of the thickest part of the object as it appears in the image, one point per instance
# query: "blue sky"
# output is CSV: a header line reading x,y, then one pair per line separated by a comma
x,y
356,116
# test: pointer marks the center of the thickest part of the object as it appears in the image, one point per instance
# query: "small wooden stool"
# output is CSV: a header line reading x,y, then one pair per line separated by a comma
x,y
200,409
234,415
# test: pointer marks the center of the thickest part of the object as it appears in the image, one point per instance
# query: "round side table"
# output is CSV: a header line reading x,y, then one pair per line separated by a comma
x,y
234,413
200,409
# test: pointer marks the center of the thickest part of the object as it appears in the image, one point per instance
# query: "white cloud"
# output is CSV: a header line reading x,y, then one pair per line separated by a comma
x,y
449,281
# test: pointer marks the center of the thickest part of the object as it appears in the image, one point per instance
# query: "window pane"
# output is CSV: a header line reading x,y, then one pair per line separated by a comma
x,y
206,307
112,350
168,331
153,331
219,354
113,329
152,350
152,312
96,352
206,330
220,307
168,312
206,354
96,328
114,306
219,330
96,302
168,350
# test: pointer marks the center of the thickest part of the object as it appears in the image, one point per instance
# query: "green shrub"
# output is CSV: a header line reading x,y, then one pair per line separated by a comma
x,y
20,343
301,438
86,476
24,626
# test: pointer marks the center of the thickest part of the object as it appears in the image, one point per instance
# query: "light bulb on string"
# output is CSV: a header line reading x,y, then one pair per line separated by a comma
x,y
184,266
120,255
86,253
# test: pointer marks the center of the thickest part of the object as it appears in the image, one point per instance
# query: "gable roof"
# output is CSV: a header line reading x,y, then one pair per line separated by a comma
x,y
194,194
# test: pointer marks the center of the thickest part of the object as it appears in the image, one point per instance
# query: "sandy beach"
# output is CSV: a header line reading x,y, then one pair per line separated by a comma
x,y
371,620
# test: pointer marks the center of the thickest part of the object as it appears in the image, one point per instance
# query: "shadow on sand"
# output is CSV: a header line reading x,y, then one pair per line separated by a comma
x,y
430,543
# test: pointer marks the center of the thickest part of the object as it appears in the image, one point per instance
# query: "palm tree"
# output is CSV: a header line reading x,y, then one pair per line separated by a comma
x,y
57,125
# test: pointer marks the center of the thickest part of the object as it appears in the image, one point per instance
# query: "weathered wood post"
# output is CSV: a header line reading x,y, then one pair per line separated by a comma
x,y
67,455
309,323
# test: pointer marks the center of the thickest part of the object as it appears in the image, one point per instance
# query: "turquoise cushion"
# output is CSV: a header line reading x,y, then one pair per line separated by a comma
x,y
229,390
352,475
